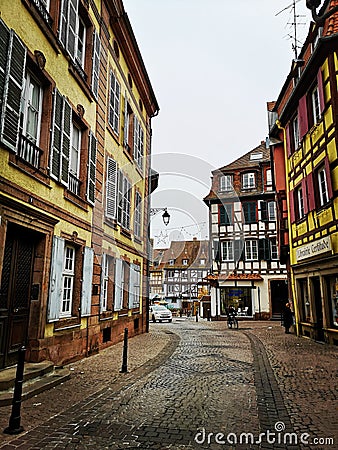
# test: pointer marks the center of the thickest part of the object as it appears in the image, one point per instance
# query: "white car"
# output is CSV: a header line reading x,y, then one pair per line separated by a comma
x,y
160,312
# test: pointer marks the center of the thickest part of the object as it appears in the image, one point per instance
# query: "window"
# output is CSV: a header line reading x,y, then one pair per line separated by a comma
x,y
72,32
68,281
256,156
184,274
228,251
273,248
225,183
104,282
114,104
74,163
137,214
96,64
138,142
295,133
323,187
118,193
128,122
248,180
249,212
119,284
31,109
123,201
268,177
171,273
316,114
251,253
202,262
225,214
300,203
171,262
271,211
185,262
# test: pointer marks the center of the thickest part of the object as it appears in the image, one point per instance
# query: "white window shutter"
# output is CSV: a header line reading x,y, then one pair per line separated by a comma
x,y
111,188
119,274
103,266
66,141
132,283
87,281
13,88
55,282
91,168
96,63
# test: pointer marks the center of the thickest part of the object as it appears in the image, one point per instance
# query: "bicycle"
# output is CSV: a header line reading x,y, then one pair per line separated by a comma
x,y
232,322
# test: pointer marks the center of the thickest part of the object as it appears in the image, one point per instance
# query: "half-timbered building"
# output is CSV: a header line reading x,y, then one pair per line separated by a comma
x,y
247,273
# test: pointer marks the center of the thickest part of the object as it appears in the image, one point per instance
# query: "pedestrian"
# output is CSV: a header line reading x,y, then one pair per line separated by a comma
x,y
287,317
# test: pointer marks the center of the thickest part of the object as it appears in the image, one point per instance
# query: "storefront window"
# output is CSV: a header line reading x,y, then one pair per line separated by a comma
x,y
239,298
333,300
304,301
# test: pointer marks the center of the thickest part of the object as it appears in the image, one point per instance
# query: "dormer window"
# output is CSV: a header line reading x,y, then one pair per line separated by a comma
x,y
225,183
248,180
256,156
171,262
185,262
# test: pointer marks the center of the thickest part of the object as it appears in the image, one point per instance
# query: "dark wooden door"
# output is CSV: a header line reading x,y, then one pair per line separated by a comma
x,y
16,280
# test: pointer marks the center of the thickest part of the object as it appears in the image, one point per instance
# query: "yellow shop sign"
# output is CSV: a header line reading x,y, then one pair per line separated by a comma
x,y
314,248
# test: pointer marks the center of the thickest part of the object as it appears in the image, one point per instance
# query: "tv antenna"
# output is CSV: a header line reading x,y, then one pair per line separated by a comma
x,y
294,23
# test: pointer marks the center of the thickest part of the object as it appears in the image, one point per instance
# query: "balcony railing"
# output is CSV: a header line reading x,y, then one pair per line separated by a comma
x,y
29,152
74,184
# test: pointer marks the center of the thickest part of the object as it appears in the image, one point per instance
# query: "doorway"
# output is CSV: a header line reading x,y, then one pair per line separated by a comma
x,y
279,297
318,308
15,291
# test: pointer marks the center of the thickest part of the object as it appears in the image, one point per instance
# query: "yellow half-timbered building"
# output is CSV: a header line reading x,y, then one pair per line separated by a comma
x,y
75,126
307,112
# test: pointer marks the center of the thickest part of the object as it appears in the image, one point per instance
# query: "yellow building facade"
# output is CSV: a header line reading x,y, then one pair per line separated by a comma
x,y
307,123
75,130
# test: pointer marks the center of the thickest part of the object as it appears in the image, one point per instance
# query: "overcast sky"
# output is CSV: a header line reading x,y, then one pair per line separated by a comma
x,y
213,66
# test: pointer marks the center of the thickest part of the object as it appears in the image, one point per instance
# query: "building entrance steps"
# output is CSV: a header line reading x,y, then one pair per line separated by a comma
x,y
38,377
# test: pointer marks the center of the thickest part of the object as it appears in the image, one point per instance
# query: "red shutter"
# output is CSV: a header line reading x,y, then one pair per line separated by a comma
x,y
292,207
302,117
288,140
305,196
310,192
328,177
321,91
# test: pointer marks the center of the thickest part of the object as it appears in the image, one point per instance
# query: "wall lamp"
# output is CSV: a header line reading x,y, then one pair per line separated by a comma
x,y
165,215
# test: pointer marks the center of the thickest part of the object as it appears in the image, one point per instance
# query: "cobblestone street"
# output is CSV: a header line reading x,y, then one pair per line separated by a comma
x,y
190,385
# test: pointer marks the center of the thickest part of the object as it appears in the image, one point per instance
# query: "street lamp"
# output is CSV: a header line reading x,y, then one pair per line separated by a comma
x,y
165,215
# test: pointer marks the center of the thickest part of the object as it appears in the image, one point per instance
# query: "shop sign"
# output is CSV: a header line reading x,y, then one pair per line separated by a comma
x,y
314,248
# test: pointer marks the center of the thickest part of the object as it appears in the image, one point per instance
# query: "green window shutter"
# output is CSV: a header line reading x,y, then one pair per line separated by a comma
x,y
56,141
55,282
238,249
91,168
264,250
13,88
4,43
87,281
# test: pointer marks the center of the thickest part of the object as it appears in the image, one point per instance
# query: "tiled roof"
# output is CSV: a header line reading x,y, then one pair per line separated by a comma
x,y
245,161
331,26
193,251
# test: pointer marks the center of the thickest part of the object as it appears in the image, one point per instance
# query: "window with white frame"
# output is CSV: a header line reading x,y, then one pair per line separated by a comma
x,y
300,203
185,262
67,281
31,109
114,103
138,142
315,105
271,211
225,183
137,214
134,286
74,163
72,31
268,177
227,251
171,262
322,185
123,201
248,180
251,250
273,248
295,133
104,282
184,274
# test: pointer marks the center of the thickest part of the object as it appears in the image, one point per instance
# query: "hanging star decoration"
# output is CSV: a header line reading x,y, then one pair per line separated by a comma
x,y
162,238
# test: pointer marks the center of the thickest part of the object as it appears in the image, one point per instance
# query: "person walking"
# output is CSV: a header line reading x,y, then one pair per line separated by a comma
x,y
287,317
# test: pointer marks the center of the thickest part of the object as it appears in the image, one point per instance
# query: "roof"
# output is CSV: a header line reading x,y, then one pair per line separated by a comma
x,y
192,251
245,161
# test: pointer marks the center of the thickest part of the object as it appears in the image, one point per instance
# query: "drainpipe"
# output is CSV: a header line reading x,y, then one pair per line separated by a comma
x,y
289,223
